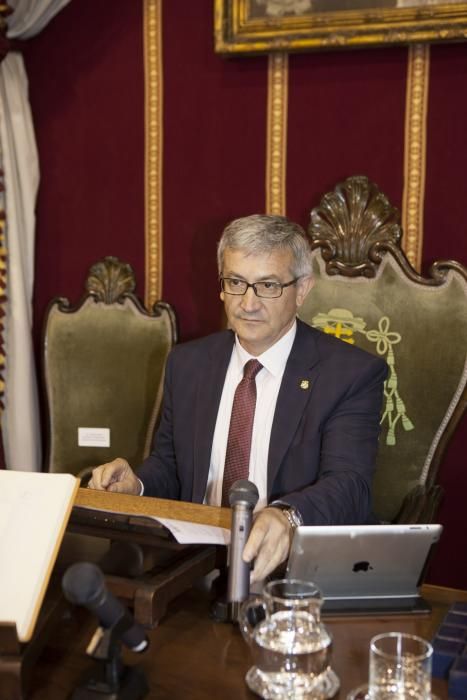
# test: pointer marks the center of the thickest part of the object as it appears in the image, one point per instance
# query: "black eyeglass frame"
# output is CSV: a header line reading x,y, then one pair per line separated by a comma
x,y
279,285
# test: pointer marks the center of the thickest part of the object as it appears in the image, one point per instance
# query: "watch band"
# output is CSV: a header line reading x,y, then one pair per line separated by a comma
x,y
291,513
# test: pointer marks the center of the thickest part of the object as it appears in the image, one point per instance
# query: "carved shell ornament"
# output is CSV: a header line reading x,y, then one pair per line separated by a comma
x,y
110,279
352,225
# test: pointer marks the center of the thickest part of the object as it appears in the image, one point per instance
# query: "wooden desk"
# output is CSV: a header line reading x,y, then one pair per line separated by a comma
x,y
192,657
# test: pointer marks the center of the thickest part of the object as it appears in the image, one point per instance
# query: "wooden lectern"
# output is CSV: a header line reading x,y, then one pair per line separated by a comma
x,y
169,568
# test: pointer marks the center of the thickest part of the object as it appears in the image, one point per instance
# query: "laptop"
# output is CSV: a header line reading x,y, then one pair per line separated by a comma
x,y
365,569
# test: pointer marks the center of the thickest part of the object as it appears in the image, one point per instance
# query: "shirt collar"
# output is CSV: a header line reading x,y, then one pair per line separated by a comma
x,y
273,359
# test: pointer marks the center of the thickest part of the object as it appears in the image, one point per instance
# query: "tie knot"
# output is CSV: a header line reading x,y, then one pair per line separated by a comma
x,y
251,369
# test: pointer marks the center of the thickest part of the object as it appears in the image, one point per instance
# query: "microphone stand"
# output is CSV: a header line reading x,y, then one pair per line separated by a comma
x,y
109,678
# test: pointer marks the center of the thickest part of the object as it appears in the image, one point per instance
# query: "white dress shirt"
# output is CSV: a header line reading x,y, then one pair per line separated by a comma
x,y
268,381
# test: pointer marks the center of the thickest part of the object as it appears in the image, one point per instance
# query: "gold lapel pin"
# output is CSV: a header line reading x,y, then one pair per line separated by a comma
x,y
304,384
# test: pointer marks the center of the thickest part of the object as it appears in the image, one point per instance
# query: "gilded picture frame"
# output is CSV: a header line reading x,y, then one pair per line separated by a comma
x,y
257,26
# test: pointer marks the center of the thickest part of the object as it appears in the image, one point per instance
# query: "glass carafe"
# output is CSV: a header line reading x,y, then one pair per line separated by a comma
x,y
291,647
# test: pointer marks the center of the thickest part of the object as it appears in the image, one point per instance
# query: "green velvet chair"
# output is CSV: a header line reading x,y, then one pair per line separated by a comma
x,y
103,366
367,293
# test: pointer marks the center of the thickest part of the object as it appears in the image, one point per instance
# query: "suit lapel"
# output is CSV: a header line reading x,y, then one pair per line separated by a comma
x,y
295,391
210,383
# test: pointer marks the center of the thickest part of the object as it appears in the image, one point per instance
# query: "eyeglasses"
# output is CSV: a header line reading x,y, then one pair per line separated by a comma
x,y
264,290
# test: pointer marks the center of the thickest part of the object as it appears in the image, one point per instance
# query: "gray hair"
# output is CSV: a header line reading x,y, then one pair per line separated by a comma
x,y
262,233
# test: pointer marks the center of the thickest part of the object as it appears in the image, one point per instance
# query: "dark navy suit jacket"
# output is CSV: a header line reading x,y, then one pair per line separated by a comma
x,y
324,433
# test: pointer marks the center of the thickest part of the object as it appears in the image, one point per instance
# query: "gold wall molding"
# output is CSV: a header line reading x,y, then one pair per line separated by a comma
x,y
276,138
153,93
415,151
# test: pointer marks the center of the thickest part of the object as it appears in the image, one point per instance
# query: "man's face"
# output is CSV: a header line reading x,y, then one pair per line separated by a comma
x,y
259,322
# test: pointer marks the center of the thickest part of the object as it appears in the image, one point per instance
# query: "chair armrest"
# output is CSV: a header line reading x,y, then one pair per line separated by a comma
x,y
420,505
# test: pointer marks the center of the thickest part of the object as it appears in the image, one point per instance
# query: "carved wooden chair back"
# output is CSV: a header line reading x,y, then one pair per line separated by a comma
x,y
103,368
367,293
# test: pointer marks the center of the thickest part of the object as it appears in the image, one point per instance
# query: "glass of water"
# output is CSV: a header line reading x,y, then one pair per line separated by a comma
x,y
399,669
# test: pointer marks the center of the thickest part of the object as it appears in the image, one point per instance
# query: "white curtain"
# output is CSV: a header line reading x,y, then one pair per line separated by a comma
x,y
20,420
31,16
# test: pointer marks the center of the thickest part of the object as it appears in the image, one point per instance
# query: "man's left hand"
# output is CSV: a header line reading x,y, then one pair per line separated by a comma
x,y
268,543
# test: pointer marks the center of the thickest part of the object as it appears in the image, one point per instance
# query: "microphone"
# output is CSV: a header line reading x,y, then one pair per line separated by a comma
x,y
83,584
243,496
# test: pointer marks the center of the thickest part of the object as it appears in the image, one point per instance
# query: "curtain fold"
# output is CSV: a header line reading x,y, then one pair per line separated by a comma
x,y
20,419
20,425
31,16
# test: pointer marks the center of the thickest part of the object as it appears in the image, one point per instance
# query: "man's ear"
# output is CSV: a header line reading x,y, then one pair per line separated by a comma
x,y
304,285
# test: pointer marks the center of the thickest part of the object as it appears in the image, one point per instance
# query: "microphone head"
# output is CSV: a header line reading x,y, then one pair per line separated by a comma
x,y
243,491
83,583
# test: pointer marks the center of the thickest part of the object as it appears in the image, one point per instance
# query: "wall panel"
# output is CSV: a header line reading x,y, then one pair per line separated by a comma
x,y
86,89
214,157
346,117
445,212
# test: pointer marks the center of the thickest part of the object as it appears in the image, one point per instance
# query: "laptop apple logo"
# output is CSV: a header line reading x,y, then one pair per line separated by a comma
x,y
361,566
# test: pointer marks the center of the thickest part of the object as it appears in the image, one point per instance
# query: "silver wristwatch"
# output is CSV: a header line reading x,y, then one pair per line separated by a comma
x,y
291,513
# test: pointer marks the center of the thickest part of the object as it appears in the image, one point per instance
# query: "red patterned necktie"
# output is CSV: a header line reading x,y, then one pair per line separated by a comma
x,y
237,458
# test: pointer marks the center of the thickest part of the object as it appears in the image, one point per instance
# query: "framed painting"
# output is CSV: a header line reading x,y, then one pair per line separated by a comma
x,y
256,26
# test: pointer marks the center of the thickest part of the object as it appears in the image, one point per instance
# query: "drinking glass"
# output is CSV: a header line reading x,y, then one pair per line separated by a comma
x,y
400,669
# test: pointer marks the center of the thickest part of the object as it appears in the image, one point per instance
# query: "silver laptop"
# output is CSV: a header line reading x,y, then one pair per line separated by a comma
x,y
365,568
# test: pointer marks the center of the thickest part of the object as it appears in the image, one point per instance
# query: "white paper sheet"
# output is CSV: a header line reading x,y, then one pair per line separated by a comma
x,y
195,533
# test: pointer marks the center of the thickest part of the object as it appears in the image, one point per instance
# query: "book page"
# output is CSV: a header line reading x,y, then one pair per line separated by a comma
x,y
34,511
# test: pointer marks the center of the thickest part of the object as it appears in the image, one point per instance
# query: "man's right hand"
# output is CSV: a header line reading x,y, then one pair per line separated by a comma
x,y
116,476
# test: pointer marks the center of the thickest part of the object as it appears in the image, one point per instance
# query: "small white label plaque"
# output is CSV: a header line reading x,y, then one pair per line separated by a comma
x,y
93,437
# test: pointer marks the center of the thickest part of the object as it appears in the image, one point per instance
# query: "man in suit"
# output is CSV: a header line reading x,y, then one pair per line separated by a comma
x,y
313,439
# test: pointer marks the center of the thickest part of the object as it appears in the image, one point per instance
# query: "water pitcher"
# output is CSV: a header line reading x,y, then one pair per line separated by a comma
x,y
291,647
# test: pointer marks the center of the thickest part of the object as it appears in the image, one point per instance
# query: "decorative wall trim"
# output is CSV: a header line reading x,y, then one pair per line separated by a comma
x,y
276,144
152,32
415,151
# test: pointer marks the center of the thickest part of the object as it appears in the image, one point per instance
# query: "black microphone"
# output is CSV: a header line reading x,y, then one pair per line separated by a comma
x,y
83,584
243,496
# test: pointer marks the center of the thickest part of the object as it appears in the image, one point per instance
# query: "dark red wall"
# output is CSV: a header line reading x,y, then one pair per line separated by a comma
x,y
346,116
86,88
214,150
340,106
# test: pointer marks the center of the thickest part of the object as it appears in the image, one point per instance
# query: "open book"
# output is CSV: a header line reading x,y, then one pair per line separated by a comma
x,y
34,511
